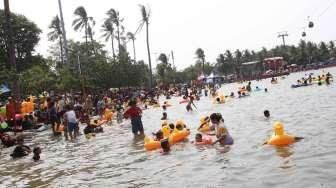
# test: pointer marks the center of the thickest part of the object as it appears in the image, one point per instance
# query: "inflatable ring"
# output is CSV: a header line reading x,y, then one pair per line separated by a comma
x,y
173,138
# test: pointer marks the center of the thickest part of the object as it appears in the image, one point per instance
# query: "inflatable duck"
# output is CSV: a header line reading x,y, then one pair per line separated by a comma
x,y
280,138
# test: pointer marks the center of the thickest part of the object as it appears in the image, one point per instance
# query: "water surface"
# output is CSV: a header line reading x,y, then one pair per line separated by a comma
x,y
115,159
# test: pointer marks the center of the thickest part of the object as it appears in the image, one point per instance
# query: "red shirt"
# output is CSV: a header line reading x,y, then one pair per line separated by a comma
x,y
133,112
10,111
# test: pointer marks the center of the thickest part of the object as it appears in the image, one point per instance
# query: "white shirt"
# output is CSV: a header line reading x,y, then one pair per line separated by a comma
x,y
71,116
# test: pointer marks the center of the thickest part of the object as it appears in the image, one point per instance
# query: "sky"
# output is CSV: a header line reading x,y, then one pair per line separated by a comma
x,y
182,26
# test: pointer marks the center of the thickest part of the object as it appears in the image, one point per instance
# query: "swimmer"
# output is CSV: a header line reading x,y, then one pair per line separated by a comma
x,y
164,107
232,95
239,94
267,114
266,90
20,150
158,135
198,138
37,152
165,145
89,130
164,116
7,140
248,87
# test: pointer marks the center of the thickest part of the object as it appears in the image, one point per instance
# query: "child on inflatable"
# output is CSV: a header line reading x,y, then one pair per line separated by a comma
x,y
200,140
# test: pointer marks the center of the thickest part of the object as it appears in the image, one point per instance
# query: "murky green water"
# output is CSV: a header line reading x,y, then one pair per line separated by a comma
x,y
115,159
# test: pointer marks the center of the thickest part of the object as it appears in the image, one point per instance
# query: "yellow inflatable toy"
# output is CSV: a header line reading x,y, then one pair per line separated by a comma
x,y
280,138
156,105
179,134
274,82
24,105
205,125
108,114
30,107
166,104
219,100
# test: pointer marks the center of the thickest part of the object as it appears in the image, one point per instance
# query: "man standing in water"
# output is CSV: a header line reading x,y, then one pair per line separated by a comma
x,y
134,113
248,87
71,122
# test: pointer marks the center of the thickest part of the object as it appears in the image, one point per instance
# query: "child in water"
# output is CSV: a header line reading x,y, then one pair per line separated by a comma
x,y
134,113
200,140
165,145
20,150
221,132
164,116
267,114
37,152
198,137
158,135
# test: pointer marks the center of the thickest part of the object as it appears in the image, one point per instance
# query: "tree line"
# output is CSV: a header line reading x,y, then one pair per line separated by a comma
x,y
91,69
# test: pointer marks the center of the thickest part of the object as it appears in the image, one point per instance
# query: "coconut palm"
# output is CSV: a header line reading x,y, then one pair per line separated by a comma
x,y
132,37
108,31
9,33
113,17
145,13
200,56
83,21
56,34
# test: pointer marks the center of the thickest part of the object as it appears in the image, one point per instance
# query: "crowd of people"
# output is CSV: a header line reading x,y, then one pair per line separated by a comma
x,y
64,113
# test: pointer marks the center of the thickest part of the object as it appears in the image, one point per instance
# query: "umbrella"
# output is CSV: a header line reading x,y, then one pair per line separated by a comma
x,y
4,89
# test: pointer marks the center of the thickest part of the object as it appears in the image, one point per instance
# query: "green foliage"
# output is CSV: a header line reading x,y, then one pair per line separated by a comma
x,y
25,35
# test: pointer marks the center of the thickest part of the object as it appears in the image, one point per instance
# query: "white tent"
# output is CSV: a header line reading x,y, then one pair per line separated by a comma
x,y
211,76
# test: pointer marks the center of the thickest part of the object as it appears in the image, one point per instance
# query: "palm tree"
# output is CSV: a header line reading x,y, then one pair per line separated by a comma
x,y
56,33
83,21
201,56
113,17
91,33
145,20
132,37
11,48
63,32
108,30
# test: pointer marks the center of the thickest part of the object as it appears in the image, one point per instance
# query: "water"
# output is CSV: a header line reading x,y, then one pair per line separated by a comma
x,y
115,159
